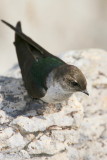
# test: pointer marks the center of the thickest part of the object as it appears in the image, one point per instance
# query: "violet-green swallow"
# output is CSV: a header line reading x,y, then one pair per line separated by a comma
x,y
45,76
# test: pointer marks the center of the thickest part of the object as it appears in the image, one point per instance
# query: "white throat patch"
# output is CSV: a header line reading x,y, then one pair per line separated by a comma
x,y
55,92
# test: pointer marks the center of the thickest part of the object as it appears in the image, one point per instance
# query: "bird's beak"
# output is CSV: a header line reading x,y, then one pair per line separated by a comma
x,y
86,92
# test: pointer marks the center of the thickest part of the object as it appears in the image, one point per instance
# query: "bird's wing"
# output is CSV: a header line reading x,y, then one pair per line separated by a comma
x,y
40,49
34,61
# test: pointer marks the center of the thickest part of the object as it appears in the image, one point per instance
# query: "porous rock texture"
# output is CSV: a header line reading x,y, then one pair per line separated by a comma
x,y
75,130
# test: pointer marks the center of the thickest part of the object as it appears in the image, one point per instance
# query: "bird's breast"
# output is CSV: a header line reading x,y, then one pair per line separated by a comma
x,y
56,94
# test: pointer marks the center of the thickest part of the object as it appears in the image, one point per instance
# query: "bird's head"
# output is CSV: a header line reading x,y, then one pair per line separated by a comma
x,y
71,79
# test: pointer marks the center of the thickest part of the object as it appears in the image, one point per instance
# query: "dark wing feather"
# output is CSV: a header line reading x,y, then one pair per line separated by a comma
x,y
40,49
26,60
34,61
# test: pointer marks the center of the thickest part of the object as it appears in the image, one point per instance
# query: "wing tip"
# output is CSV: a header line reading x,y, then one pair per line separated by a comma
x,y
3,21
18,25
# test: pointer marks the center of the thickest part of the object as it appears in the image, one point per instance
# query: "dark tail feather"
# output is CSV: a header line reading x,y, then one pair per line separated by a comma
x,y
19,29
26,38
15,29
22,49
38,48
18,26
22,46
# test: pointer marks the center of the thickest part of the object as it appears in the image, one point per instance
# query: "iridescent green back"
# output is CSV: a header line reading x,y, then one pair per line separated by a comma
x,y
41,68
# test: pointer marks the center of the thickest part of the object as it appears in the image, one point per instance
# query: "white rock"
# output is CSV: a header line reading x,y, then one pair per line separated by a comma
x,y
62,135
24,154
93,127
6,133
45,145
94,150
16,141
70,116
72,153
66,136
3,117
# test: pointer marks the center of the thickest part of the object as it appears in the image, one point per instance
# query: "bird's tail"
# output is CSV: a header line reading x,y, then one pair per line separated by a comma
x,y
38,50
22,46
18,31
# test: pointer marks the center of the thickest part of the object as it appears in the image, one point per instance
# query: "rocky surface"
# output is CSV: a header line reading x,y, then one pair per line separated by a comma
x,y
30,129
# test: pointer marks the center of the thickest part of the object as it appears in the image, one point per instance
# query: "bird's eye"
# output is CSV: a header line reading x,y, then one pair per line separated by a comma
x,y
75,84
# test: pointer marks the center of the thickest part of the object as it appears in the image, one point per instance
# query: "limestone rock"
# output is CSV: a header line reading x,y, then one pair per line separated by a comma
x,y
3,117
33,130
93,132
25,133
45,144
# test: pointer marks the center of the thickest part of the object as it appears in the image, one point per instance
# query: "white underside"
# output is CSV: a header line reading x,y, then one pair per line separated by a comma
x,y
56,94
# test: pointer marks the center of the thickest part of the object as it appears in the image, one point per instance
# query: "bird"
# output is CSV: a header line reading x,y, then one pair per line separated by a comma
x,y
46,77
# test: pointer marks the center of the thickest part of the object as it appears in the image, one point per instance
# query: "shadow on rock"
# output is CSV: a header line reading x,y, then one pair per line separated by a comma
x,y
15,101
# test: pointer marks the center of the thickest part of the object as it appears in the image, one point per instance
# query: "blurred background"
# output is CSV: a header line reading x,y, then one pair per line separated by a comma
x,y
57,25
